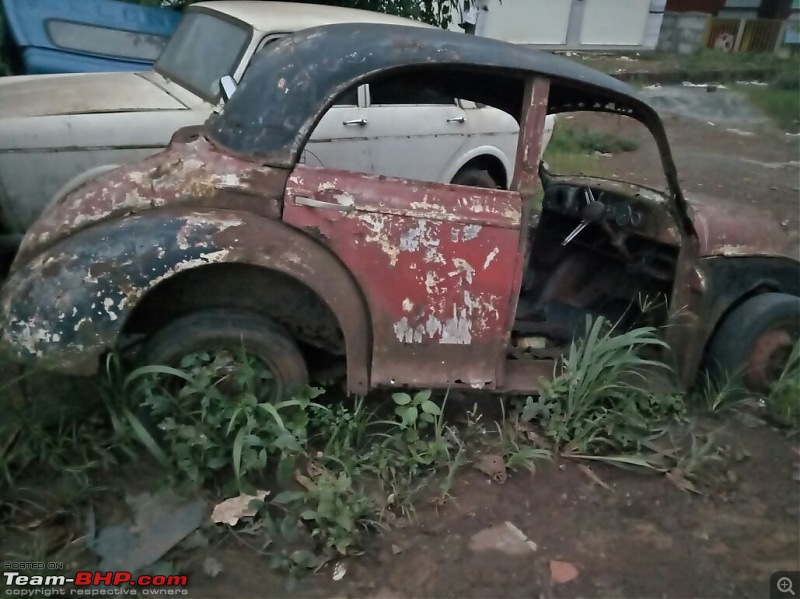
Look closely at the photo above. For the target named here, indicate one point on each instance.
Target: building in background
(583, 25)
(731, 26)
(739, 9)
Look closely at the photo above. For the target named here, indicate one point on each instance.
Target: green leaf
(238, 443)
(401, 399)
(345, 521)
(411, 414)
(429, 418)
(422, 396)
(287, 497)
(285, 469)
(304, 558)
(270, 409)
(147, 440)
(288, 529)
(430, 408)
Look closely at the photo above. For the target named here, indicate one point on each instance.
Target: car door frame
(372, 223)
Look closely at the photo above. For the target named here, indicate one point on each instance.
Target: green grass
(701, 61)
(707, 59)
(599, 401)
(716, 396)
(570, 139)
(781, 105)
(783, 401)
(574, 150)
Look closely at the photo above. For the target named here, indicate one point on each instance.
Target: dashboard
(570, 200)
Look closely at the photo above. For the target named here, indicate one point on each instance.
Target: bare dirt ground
(642, 537)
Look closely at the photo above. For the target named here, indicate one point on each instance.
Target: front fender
(66, 307)
(731, 279)
(726, 282)
(84, 177)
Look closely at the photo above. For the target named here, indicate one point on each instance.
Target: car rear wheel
(474, 177)
(226, 345)
(756, 339)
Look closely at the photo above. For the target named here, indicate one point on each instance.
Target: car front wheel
(756, 339)
(228, 346)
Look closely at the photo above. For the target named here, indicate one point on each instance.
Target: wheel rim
(768, 357)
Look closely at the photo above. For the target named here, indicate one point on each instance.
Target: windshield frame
(203, 94)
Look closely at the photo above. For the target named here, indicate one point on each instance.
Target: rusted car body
(410, 283)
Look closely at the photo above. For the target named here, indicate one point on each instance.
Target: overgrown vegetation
(338, 470)
(783, 401)
(781, 104)
(599, 402)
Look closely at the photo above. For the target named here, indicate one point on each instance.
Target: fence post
(739, 35)
(707, 41)
(781, 34)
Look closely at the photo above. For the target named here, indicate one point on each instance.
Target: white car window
(106, 41)
(396, 93)
(190, 60)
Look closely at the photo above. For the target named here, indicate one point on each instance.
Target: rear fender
(66, 307)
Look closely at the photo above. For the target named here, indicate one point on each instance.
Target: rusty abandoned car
(225, 239)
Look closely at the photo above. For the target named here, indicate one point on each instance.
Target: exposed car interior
(594, 251)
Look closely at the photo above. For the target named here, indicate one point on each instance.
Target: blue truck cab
(80, 36)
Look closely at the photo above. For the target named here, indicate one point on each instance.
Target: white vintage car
(59, 131)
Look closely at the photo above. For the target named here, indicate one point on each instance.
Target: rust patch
(64, 308)
(731, 231)
(435, 264)
(191, 174)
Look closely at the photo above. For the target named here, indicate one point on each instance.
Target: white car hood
(81, 93)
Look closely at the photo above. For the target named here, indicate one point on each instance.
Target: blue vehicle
(80, 36)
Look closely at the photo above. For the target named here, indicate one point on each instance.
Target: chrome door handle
(360, 122)
(314, 203)
(457, 119)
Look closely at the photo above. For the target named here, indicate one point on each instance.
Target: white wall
(572, 24)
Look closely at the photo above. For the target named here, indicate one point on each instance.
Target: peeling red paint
(435, 263)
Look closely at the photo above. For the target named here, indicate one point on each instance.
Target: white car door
(413, 133)
(339, 140)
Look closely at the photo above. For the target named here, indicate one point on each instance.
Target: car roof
(294, 79)
(294, 16)
(291, 84)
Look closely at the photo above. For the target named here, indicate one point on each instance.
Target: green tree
(435, 12)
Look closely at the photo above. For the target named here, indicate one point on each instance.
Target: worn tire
(755, 339)
(474, 177)
(230, 329)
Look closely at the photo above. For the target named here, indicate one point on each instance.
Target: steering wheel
(594, 212)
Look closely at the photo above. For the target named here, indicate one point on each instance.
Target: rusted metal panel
(64, 308)
(526, 182)
(435, 263)
(740, 230)
(535, 102)
(190, 172)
